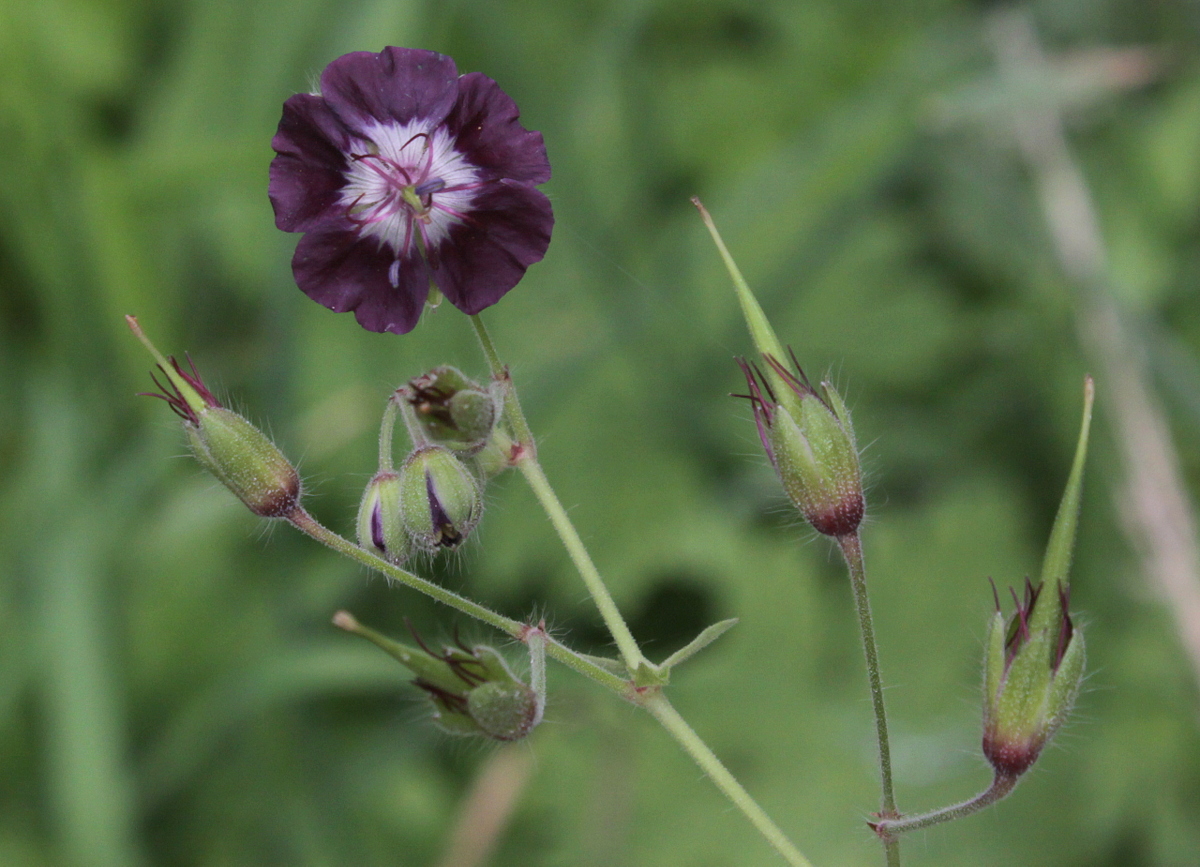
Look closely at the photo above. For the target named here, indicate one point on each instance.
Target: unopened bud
(808, 438)
(246, 462)
(439, 497)
(1035, 660)
(380, 523)
(241, 456)
(495, 457)
(450, 410)
(472, 689)
(1031, 679)
(504, 710)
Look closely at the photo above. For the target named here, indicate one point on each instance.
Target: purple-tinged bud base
(810, 443)
(1011, 758)
(1031, 680)
(818, 468)
(843, 519)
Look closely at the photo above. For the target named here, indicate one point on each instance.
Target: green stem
(851, 546)
(630, 652)
(512, 406)
(677, 727)
(307, 524)
(386, 430)
(654, 702)
(532, 471)
(1001, 786)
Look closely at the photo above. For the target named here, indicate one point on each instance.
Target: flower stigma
(391, 186)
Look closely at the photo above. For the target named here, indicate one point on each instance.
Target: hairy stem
(663, 711)
(532, 471)
(851, 546)
(1001, 785)
(654, 701)
(307, 524)
(512, 406)
(630, 652)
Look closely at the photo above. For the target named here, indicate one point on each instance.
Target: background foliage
(171, 691)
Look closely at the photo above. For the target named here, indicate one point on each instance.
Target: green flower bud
(245, 461)
(495, 457)
(1035, 661)
(808, 438)
(806, 432)
(241, 456)
(503, 711)
(440, 499)
(1031, 679)
(380, 523)
(450, 410)
(472, 689)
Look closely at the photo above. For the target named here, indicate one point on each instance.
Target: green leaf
(701, 641)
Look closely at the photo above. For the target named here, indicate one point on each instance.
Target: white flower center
(406, 186)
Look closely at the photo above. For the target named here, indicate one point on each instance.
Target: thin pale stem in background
(851, 547)
(488, 807)
(1158, 512)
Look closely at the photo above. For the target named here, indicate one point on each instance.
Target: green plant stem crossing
(851, 546)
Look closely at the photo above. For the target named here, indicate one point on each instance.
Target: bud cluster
(435, 499)
(472, 689)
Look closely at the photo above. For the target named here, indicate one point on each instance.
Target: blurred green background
(171, 691)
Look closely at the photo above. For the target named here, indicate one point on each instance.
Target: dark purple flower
(404, 175)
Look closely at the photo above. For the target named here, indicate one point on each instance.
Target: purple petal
(485, 121)
(508, 230)
(308, 171)
(399, 84)
(345, 272)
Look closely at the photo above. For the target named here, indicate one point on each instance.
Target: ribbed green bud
(1035, 661)
(472, 689)
(813, 449)
(235, 451)
(504, 709)
(1031, 680)
(440, 498)
(808, 438)
(380, 523)
(245, 461)
(450, 410)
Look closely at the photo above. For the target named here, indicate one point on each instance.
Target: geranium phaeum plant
(406, 177)
(409, 183)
